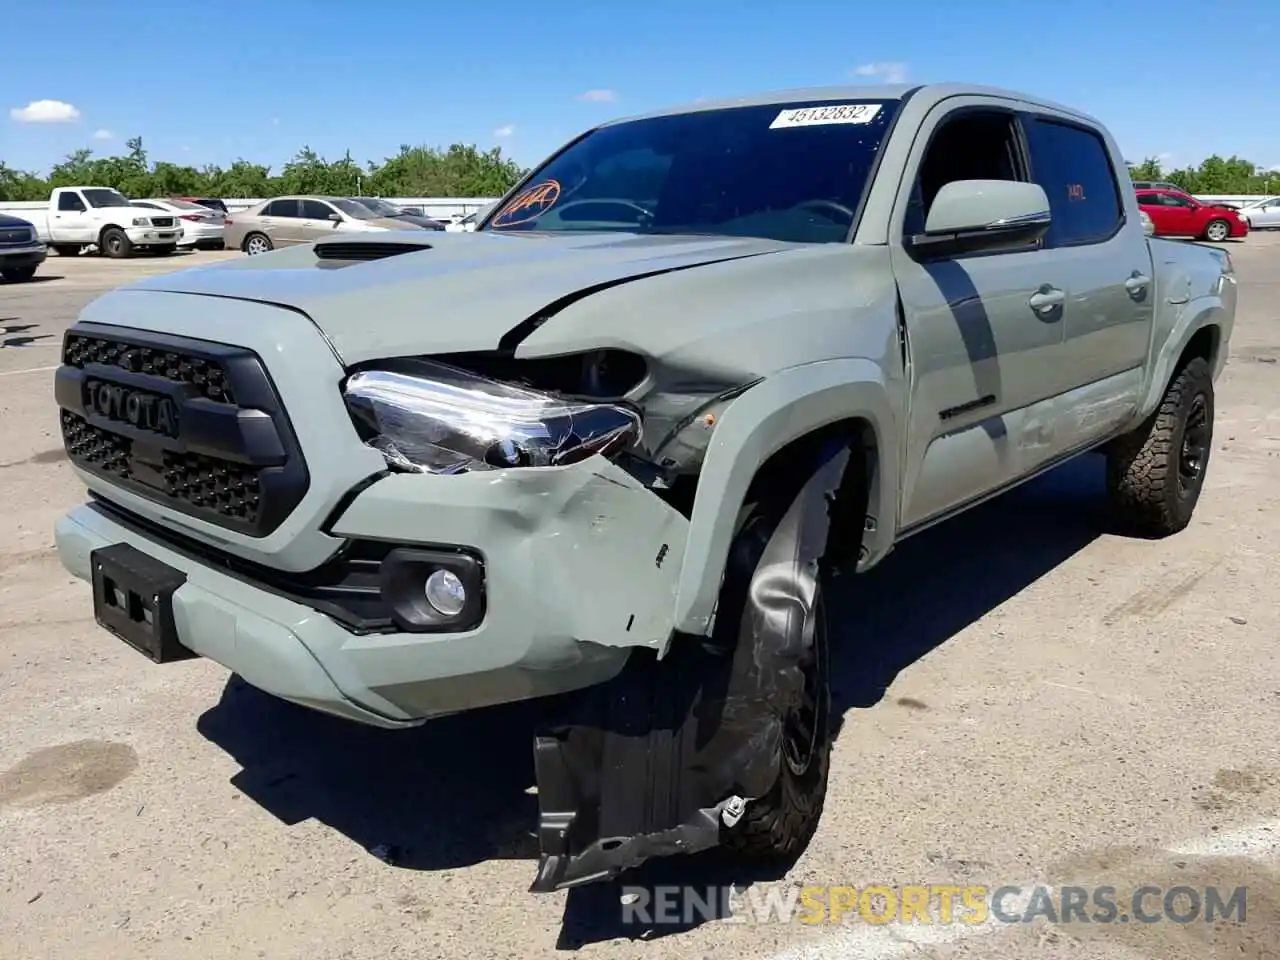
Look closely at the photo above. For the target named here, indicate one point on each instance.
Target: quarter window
(1073, 166)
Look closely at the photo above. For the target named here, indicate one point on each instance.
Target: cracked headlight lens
(428, 417)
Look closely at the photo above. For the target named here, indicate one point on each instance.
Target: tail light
(226, 221)
(192, 217)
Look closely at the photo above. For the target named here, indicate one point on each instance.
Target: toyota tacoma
(621, 440)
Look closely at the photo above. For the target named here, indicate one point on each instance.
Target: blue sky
(261, 80)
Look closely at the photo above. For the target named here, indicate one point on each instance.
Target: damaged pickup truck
(618, 442)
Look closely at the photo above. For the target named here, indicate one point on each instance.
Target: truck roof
(929, 93)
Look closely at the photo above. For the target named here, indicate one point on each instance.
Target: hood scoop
(339, 252)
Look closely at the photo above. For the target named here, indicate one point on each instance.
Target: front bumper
(153, 236)
(570, 585)
(28, 256)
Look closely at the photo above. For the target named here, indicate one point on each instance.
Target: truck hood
(452, 292)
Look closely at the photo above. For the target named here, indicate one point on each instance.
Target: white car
(1262, 214)
(202, 227)
(468, 223)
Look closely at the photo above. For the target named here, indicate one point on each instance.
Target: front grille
(162, 221)
(193, 425)
(16, 236)
(208, 484)
(207, 376)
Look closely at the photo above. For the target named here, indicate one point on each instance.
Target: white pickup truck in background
(79, 217)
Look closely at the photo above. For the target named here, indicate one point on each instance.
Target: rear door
(281, 220)
(1103, 258)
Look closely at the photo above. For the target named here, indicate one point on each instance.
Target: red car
(1178, 214)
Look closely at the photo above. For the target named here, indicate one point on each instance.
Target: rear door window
(1073, 166)
(281, 208)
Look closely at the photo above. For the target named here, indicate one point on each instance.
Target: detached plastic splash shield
(644, 765)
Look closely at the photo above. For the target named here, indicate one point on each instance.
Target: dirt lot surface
(1026, 700)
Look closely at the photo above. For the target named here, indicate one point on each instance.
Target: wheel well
(1204, 344)
(103, 232)
(785, 472)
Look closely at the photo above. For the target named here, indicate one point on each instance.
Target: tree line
(460, 170)
(1216, 176)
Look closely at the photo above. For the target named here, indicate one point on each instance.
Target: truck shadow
(455, 792)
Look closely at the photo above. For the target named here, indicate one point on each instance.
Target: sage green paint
(751, 344)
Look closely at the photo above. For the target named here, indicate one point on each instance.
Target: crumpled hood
(461, 292)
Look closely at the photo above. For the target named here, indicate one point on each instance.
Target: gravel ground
(1044, 704)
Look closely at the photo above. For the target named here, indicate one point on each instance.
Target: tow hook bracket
(733, 810)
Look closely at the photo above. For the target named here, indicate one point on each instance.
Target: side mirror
(335, 217)
(972, 216)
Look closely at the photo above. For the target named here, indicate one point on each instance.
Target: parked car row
(1175, 213)
(284, 221)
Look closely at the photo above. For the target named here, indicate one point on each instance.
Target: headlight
(141, 222)
(427, 417)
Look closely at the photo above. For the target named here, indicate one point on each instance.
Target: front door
(982, 356)
(70, 221)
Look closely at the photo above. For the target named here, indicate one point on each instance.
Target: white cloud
(506, 131)
(45, 111)
(598, 96)
(890, 71)
(103, 134)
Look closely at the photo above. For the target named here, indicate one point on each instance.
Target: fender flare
(773, 413)
(1199, 313)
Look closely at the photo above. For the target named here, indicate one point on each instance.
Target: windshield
(353, 209)
(785, 171)
(104, 197)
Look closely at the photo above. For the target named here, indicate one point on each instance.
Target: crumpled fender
(647, 764)
(762, 421)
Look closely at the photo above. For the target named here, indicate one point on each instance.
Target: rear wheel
(1217, 231)
(777, 827)
(1156, 473)
(256, 243)
(113, 243)
(18, 274)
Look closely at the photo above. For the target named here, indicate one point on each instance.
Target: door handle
(1046, 299)
(1136, 282)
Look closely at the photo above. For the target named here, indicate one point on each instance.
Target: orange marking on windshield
(534, 200)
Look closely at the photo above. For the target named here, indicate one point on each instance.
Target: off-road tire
(18, 274)
(1217, 226)
(115, 244)
(245, 243)
(67, 249)
(776, 828)
(1148, 496)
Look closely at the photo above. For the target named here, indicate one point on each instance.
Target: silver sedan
(1262, 214)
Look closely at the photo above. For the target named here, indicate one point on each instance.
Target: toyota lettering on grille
(138, 408)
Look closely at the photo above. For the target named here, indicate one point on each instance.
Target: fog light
(445, 592)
